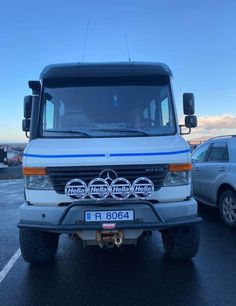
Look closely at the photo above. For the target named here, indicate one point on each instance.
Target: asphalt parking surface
(14, 172)
(134, 276)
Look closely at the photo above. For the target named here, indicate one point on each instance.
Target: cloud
(210, 126)
(217, 122)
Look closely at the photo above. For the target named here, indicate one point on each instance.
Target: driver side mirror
(27, 106)
(27, 114)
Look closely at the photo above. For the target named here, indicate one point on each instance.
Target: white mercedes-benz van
(106, 160)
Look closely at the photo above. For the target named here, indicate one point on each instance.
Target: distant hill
(198, 139)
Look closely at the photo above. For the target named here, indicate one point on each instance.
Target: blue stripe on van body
(105, 155)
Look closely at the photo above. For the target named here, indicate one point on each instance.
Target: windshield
(74, 109)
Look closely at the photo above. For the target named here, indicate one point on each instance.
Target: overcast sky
(196, 39)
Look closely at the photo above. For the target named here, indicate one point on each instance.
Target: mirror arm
(26, 134)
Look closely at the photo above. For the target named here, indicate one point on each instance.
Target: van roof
(76, 70)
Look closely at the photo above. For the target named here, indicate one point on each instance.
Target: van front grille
(59, 176)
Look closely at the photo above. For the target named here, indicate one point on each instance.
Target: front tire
(227, 207)
(181, 242)
(37, 246)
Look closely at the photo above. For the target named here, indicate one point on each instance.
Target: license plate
(109, 215)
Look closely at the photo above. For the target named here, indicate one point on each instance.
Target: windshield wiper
(70, 132)
(123, 131)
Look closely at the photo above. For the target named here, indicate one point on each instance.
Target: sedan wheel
(227, 206)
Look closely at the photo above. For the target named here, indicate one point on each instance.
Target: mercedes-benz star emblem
(108, 175)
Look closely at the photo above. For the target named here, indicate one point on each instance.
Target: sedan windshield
(110, 109)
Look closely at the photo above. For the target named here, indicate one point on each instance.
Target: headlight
(177, 178)
(38, 182)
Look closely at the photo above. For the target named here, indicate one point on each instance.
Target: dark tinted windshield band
(106, 81)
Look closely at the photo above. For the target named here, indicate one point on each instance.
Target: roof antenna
(85, 42)
(127, 48)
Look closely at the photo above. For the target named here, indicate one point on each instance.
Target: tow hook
(118, 239)
(109, 238)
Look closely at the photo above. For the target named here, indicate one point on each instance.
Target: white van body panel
(106, 151)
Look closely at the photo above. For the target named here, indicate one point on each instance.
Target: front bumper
(70, 219)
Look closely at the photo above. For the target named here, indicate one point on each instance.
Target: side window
(48, 122)
(218, 153)
(199, 155)
(159, 114)
(225, 158)
(165, 112)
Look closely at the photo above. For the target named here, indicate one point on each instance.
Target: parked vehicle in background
(214, 176)
(14, 158)
(3, 157)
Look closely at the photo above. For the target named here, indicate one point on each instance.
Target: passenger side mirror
(188, 104)
(27, 106)
(191, 121)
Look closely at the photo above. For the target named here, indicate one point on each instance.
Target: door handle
(196, 169)
(221, 169)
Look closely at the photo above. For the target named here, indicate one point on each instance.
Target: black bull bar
(71, 228)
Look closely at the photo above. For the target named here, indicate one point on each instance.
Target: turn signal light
(34, 171)
(180, 167)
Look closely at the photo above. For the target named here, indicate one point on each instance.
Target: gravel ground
(11, 173)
